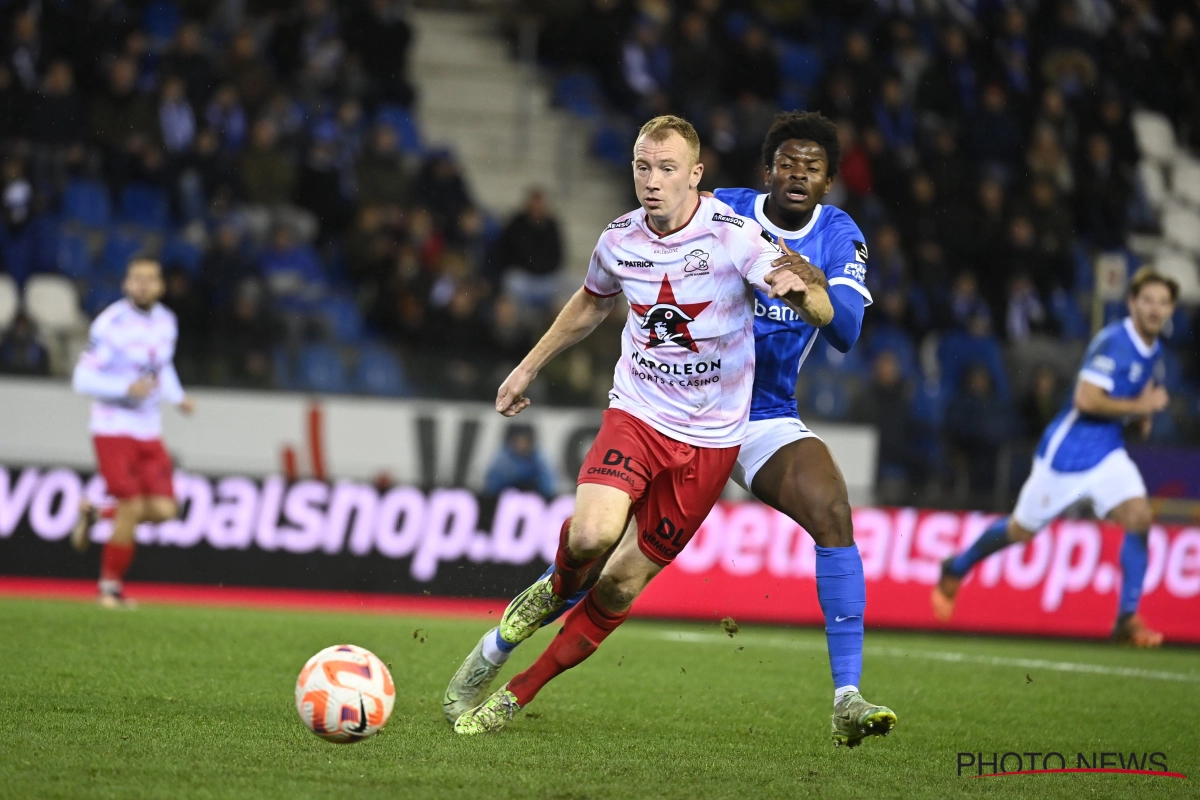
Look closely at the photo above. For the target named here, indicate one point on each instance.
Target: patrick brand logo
(1012, 764)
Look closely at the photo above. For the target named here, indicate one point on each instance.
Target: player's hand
(511, 399)
(1153, 398)
(784, 282)
(800, 265)
(1145, 426)
(141, 388)
(187, 405)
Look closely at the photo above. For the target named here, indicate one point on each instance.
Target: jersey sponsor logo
(780, 312)
(1103, 364)
(635, 264)
(718, 217)
(857, 271)
(665, 251)
(667, 320)
(696, 263)
(621, 223)
(860, 251)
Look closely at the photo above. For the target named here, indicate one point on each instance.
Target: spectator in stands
(227, 117)
(896, 120)
(226, 265)
(753, 67)
(646, 66)
(977, 422)
(319, 188)
(176, 119)
(442, 188)
(884, 405)
(381, 174)
(1103, 196)
(382, 36)
(244, 338)
(121, 113)
(293, 273)
(530, 252)
(1025, 315)
(57, 119)
(995, 131)
(697, 67)
(188, 60)
(520, 465)
(268, 173)
(192, 316)
(20, 351)
(1041, 404)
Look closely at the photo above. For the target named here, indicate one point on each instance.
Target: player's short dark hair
(812, 126)
(1148, 275)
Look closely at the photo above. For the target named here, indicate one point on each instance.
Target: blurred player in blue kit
(782, 462)
(1082, 455)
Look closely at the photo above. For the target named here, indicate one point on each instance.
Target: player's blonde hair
(659, 128)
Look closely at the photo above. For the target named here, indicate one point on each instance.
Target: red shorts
(673, 485)
(135, 467)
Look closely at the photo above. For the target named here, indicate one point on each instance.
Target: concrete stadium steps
(472, 97)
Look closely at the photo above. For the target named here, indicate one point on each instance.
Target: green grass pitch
(173, 702)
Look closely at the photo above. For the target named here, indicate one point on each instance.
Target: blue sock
(993, 539)
(1134, 556)
(842, 591)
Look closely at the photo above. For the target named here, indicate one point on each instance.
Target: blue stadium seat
(87, 203)
(579, 93)
(611, 143)
(320, 369)
(800, 64)
(958, 351)
(900, 343)
(179, 252)
(379, 372)
(74, 260)
(402, 122)
(825, 355)
(102, 293)
(344, 318)
(145, 207)
(119, 248)
(161, 20)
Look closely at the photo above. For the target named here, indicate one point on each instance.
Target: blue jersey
(834, 245)
(1119, 362)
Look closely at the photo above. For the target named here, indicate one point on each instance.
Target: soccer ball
(344, 693)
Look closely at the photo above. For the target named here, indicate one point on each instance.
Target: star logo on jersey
(667, 320)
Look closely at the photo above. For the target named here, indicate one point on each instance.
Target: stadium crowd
(312, 241)
(987, 153)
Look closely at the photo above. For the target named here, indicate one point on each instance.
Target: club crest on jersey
(667, 320)
(1135, 372)
(695, 262)
(718, 217)
(860, 251)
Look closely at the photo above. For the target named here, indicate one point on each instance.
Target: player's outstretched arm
(813, 303)
(1095, 401)
(579, 317)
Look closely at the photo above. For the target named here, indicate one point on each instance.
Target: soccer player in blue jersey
(1082, 454)
(782, 462)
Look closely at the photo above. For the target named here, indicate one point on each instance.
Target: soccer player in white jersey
(677, 413)
(1082, 454)
(128, 371)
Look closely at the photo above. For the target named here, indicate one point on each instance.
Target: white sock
(492, 651)
(110, 587)
(842, 691)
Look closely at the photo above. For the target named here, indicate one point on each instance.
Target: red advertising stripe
(754, 564)
(248, 597)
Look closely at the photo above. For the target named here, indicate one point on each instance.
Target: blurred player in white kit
(127, 369)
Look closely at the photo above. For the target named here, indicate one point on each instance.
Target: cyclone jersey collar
(760, 216)
(1145, 350)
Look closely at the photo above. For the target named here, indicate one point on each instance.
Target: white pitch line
(951, 657)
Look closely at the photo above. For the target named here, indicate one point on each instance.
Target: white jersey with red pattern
(687, 350)
(125, 344)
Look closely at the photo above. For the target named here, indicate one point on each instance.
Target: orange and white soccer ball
(345, 693)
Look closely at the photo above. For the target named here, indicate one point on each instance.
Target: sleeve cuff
(594, 293)
(1096, 379)
(855, 285)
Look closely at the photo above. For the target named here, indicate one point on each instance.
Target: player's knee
(1136, 517)
(832, 524)
(160, 509)
(591, 537)
(132, 506)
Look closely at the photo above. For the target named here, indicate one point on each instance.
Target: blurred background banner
(746, 561)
